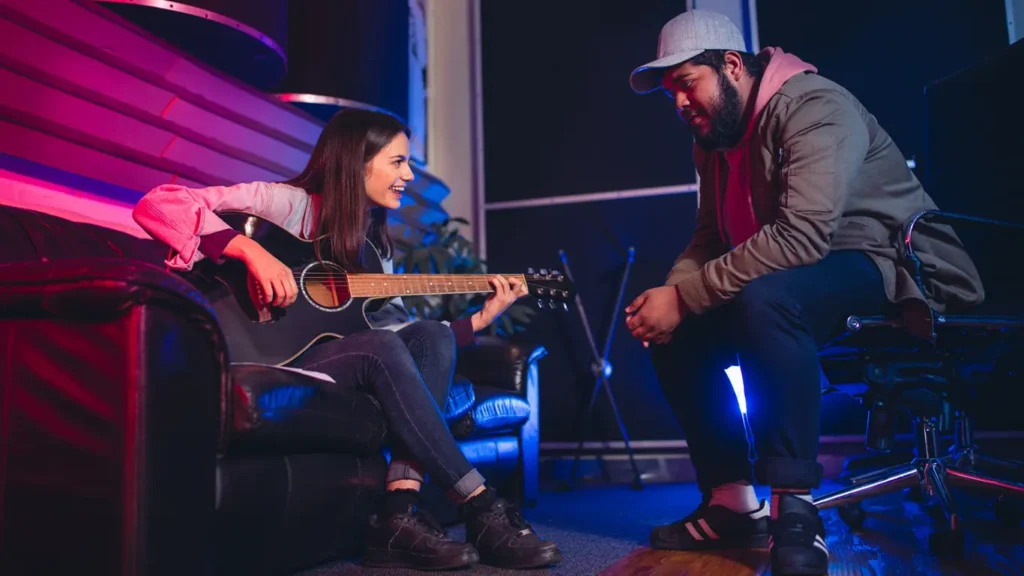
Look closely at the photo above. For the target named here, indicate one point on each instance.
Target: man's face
(708, 102)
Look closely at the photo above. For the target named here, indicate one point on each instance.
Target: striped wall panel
(88, 93)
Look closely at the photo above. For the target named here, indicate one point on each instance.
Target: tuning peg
(540, 291)
(529, 271)
(551, 304)
(565, 306)
(540, 303)
(543, 271)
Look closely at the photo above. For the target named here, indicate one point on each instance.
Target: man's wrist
(683, 308)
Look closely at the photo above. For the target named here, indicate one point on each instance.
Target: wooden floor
(893, 541)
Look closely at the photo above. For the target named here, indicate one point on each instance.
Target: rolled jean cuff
(467, 485)
(791, 473)
(403, 471)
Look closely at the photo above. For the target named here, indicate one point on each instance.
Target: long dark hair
(336, 171)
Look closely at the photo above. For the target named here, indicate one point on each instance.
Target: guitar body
(332, 303)
(272, 335)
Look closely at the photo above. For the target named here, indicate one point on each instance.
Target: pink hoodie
(737, 222)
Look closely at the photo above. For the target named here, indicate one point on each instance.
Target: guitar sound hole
(326, 286)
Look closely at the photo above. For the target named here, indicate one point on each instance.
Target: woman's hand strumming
(275, 280)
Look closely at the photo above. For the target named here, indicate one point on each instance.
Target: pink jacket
(180, 216)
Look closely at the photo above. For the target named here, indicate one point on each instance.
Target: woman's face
(388, 172)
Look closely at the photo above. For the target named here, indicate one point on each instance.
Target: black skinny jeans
(773, 327)
(409, 372)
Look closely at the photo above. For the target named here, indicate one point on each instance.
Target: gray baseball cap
(684, 37)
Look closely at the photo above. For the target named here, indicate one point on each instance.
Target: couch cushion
(281, 410)
(502, 414)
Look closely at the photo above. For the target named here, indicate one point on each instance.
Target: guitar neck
(395, 285)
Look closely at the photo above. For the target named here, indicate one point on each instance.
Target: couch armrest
(85, 289)
(88, 287)
(497, 363)
(114, 379)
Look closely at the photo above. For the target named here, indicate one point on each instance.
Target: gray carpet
(589, 555)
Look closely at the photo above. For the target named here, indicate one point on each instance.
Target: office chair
(929, 365)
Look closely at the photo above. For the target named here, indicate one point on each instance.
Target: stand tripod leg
(602, 369)
(637, 481)
(581, 431)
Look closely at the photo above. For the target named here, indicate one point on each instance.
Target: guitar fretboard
(394, 285)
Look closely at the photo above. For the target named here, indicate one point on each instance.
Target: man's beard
(724, 117)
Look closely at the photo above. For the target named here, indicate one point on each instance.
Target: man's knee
(764, 298)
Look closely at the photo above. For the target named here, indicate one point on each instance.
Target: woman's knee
(383, 344)
(434, 331)
(436, 339)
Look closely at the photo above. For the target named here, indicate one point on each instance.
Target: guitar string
(448, 279)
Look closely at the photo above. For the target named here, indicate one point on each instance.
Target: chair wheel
(947, 543)
(1008, 513)
(853, 515)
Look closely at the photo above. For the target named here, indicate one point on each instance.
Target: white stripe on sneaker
(693, 532)
(707, 529)
(819, 543)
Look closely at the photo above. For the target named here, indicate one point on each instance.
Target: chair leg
(877, 474)
(904, 477)
(997, 465)
(935, 478)
(975, 481)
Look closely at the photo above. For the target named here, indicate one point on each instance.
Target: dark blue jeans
(772, 330)
(409, 372)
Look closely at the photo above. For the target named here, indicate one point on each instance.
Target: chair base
(933, 475)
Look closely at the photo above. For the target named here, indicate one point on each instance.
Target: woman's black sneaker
(414, 539)
(797, 539)
(503, 537)
(714, 528)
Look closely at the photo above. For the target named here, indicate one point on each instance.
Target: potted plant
(445, 251)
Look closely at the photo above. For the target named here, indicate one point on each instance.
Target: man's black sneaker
(414, 539)
(797, 539)
(504, 538)
(714, 528)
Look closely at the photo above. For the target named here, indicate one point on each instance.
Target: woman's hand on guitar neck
(276, 281)
(506, 291)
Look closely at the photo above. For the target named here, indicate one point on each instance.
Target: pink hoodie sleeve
(180, 216)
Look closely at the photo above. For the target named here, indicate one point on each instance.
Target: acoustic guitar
(332, 302)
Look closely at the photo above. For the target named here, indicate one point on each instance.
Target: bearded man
(802, 196)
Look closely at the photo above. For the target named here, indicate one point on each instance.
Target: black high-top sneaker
(797, 539)
(414, 539)
(503, 537)
(714, 528)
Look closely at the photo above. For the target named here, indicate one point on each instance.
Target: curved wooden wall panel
(89, 93)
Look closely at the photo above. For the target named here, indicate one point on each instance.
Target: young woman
(358, 170)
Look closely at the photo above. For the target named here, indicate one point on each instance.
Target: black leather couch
(129, 443)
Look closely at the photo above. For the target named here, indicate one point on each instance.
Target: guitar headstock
(550, 287)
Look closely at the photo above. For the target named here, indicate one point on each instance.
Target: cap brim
(647, 78)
